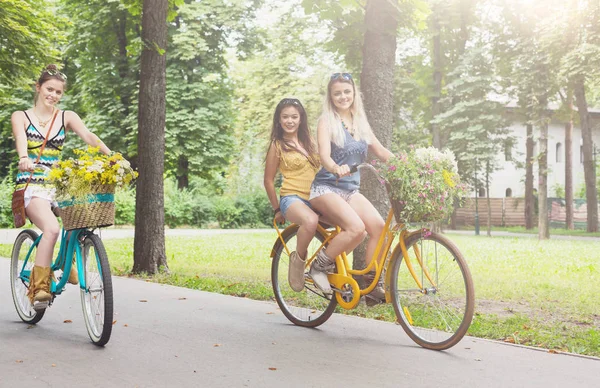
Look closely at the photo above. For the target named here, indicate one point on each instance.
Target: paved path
(181, 337)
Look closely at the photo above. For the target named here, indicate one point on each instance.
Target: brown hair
(304, 136)
(50, 72)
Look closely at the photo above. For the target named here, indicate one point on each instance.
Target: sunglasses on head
(290, 101)
(56, 72)
(346, 76)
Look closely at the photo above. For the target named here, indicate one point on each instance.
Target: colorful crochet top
(298, 173)
(50, 155)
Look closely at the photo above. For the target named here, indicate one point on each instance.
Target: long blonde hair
(330, 116)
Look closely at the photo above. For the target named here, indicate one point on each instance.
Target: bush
(125, 207)
(6, 189)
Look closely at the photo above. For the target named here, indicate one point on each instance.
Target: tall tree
(379, 56)
(149, 242)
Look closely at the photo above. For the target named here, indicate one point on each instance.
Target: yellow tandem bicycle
(426, 279)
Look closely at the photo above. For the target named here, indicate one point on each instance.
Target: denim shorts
(287, 200)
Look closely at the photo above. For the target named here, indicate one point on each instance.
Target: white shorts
(40, 192)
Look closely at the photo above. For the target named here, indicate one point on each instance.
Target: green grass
(538, 293)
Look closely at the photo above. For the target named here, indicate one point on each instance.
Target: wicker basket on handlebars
(95, 210)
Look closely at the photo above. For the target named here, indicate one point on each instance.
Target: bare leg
(41, 215)
(373, 222)
(307, 220)
(340, 213)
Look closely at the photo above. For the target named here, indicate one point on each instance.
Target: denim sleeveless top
(353, 153)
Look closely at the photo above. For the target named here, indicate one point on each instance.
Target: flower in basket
(76, 178)
(423, 184)
(85, 187)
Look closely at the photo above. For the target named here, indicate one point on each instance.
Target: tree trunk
(569, 163)
(183, 172)
(488, 201)
(544, 231)
(379, 55)
(529, 159)
(437, 80)
(589, 166)
(149, 242)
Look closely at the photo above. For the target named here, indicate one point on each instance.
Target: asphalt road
(166, 336)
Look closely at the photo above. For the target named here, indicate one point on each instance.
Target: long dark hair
(304, 136)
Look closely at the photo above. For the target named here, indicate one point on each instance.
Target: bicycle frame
(69, 244)
(343, 277)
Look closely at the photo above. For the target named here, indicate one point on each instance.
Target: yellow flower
(448, 178)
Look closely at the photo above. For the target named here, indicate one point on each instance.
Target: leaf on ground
(126, 325)
(510, 340)
(143, 300)
(30, 326)
(216, 345)
(271, 312)
(67, 321)
(114, 322)
(182, 298)
(19, 361)
(53, 365)
(553, 351)
(271, 368)
(478, 359)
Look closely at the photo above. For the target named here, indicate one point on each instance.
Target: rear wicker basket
(94, 211)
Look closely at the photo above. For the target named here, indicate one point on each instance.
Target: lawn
(537, 293)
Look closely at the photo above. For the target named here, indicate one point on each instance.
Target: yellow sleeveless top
(298, 173)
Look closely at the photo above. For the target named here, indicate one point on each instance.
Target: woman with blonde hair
(344, 136)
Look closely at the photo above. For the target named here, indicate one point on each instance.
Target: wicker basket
(95, 211)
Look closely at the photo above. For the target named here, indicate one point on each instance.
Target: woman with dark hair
(292, 151)
(39, 134)
(344, 136)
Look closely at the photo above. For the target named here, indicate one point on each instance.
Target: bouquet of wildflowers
(423, 184)
(76, 178)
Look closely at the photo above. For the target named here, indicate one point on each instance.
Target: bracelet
(278, 210)
(23, 157)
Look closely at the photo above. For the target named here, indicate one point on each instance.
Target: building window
(508, 151)
(508, 192)
(559, 153)
(482, 192)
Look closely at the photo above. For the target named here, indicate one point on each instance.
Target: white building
(509, 180)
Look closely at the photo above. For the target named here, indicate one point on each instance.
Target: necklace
(351, 132)
(41, 122)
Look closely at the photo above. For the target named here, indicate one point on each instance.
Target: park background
(433, 72)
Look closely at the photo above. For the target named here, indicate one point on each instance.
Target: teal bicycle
(85, 249)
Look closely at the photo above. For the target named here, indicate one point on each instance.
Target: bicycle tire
(18, 285)
(309, 307)
(436, 316)
(97, 297)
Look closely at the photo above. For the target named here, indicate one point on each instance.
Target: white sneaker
(318, 272)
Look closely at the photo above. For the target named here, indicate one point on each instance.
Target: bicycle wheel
(97, 298)
(437, 315)
(19, 284)
(309, 307)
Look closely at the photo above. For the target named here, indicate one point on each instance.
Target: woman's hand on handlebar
(25, 164)
(341, 171)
